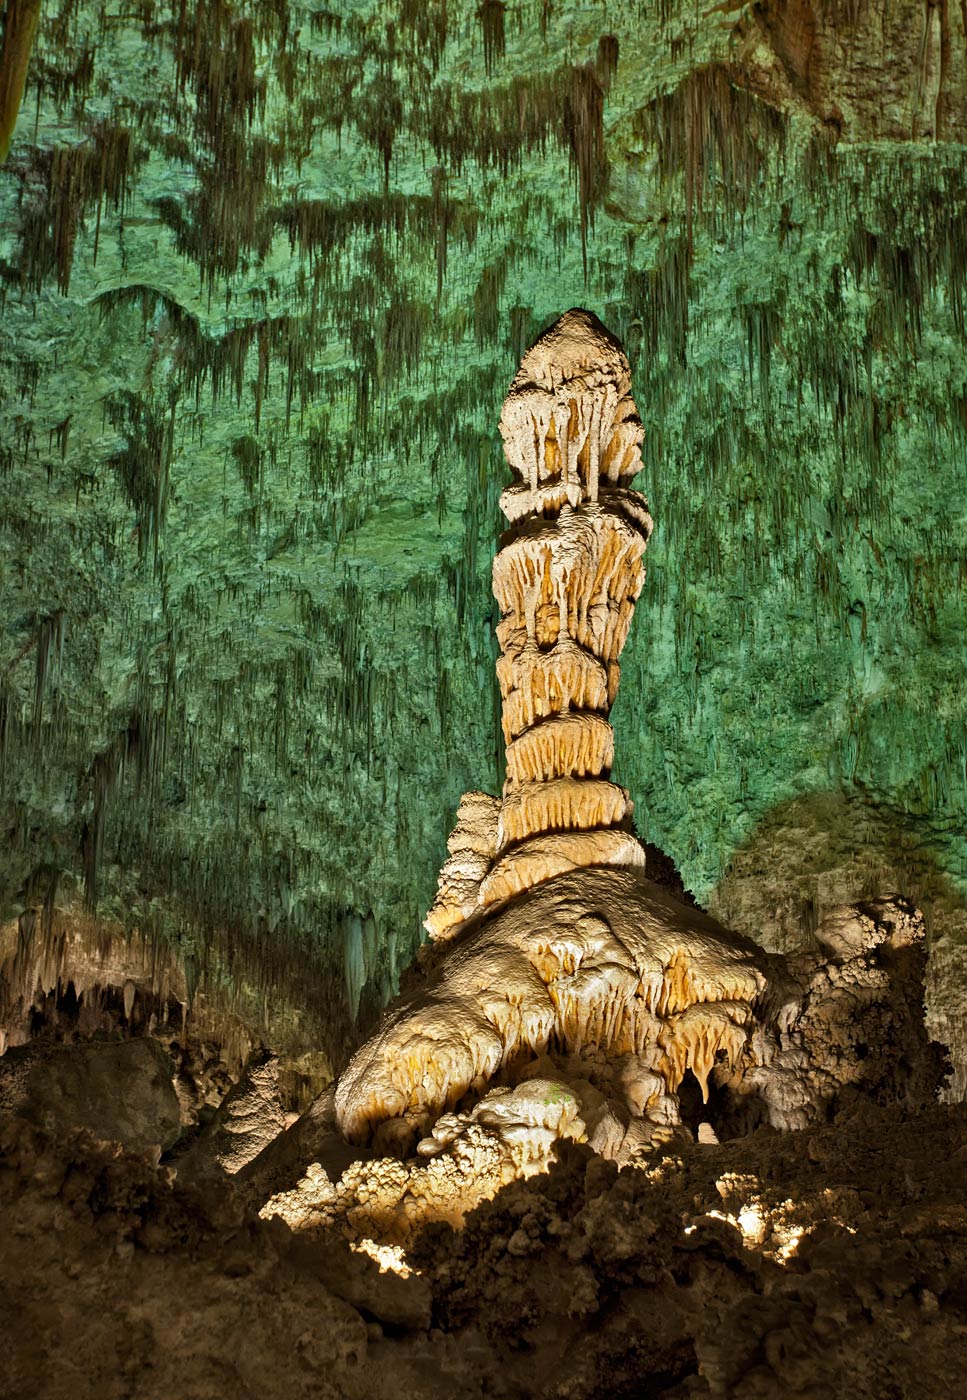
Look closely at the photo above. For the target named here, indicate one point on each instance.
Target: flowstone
(567, 995)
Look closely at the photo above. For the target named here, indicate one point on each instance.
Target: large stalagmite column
(561, 945)
(562, 975)
(566, 579)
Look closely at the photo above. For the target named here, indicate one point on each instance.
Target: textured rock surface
(67, 974)
(823, 1263)
(248, 1118)
(135, 1290)
(266, 270)
(656, 1020)
(566, 578)
(120, 1091)
(601, 960)
(599, 965)
(816, 857)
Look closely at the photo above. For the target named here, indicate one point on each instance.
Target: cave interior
(390, 1004)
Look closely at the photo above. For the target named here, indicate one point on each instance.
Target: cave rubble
(772, 1265)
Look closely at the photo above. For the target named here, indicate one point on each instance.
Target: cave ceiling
(266, 271)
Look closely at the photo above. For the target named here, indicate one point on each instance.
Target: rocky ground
(821, 1263)
(164, 1232)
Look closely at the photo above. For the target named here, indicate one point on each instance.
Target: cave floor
(820, 1263)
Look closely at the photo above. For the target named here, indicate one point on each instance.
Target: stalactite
(497, 127)
(49, 652)
(440, 206)
(584, 125)
(143, 464)
(217, 61)
(491, 17)
(714, 134)
(401, 332)
(323, 228)
(58, 187)
(63, 72)
(378, 115)
(248, 458)
(106, 771)
(486, 302)
(19, 25)
(326, 22)
(425, 24)
(521, 330)
(762, 328)
(606, 61)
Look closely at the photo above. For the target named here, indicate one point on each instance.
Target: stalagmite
(557, 944)
(572, 996)
(472, 845)
(567, 996)
(566, 579)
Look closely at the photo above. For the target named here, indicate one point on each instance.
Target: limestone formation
(556, 943)
(560, 961)
(248, 1119)
(595, 963)
(472, 845)
(566, 579)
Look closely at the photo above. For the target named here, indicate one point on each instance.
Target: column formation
(566, 579)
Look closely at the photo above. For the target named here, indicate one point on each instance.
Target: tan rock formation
(563, 963)
(651, 981)
(472, 846)
(553, 955)
(566, 578)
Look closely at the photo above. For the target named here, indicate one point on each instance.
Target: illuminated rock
(563, 964)
(650, 979)
(248, 1119)
(566, 579)
(464, 1160)
(557, 944)
(472, 846)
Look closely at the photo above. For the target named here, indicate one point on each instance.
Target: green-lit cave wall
(266, 271)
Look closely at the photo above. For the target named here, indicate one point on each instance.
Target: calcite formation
(560, 973)
(597, 964)
(556, 945)
(566, 579)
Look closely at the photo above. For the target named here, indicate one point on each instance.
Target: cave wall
(266, 271)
